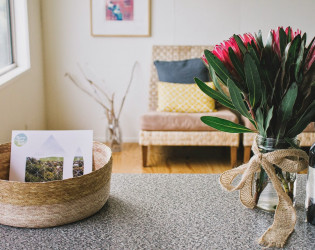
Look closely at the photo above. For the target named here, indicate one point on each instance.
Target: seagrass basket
(54, 203)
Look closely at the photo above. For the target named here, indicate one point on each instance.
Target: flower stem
(250, 108)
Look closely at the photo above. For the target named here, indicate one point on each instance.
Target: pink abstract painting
(119, 10)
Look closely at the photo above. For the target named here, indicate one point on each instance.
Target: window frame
(7, 68)
(19, 41)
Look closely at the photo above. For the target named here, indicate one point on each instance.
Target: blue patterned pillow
(182, 71)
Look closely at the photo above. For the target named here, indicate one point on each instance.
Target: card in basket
(48, 155)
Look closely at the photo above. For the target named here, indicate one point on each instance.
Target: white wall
(22, 104)
(67, 41)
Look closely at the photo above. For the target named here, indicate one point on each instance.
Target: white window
(14, 39)
(6, 47)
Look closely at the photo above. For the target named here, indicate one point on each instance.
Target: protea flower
(271, 84)
(247, 38)
(310, 58)
(265, 81)
(289, 36)
(221, 51)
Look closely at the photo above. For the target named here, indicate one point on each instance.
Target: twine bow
(285, 215)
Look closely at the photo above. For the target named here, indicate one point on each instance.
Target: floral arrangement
(271, 84)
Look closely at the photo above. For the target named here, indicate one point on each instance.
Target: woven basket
(54, 203)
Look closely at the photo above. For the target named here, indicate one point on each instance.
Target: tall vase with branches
(107, 102)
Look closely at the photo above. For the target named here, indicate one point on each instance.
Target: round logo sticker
(20, 140)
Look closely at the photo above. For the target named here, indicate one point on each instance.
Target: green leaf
(268, 45)
(268, 119)
(266, 76)
(237, 99)
(309, 47)
(240, 44)
(267, 52)
(225, 125)
(283, 40)
(253, 53)
(286, 107)
(218, 66)
(252, 80)
(304, 37)
(259, 39)
(307, 117)
(260, 122)
(216, 83)
(289, 35)
(214, 94)
(236, 63)
(299, 60)
(292, 51)
(291, 143)
(263, 95)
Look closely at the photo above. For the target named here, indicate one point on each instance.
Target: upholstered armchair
(181, 129)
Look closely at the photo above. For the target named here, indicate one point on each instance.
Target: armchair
(181, 129)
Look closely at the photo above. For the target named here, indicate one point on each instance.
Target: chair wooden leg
(247, 150)
(233, 156)
(144, 155)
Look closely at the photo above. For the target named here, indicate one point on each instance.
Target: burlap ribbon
(285, 215)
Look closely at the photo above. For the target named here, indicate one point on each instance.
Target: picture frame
(120, 18)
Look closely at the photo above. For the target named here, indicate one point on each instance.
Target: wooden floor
(166, 159)
(169, 159)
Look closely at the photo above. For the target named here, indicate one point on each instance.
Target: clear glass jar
(310, 188)
(265, 195)
(113, 135)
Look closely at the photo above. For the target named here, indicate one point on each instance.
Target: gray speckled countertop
(164, 211)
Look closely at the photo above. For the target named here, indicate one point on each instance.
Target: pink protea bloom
(310, 58)
(293, 34)
(247, 38)
(221, 51)
(276, 42)
(276, 38)
(205, 59)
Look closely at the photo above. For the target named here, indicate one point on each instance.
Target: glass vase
(113, 135)
(265, 194)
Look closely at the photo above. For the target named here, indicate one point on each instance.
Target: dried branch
(128, 87)
(86, 91)
(98, 94)
(94, 85)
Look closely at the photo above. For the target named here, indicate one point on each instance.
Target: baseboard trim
(125, 139)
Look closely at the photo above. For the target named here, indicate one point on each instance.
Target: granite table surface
(165, 211)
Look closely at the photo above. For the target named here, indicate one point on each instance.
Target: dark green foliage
(238, 100)
(274, 89)
(224, 125)
(215, 82)
(253, 81)
(237, 64)
(218, 67)
(214, 94)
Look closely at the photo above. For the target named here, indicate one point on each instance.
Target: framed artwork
(120, 17)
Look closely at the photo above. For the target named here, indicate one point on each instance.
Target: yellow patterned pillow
(179, 97)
